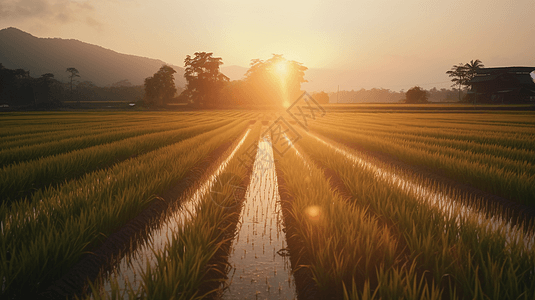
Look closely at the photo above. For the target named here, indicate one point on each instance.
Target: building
(503, 85)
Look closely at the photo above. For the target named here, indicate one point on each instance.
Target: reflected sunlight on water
(129, 269)
(259, 256)
(450, 207)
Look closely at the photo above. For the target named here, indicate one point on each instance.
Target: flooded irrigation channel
(127, 275)
(260, 265)
(259, 261)
(450, 207)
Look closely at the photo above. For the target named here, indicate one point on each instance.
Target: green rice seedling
(82, 140)
(344, 243)
(180, 269)
(456, 246)
(497, 155)
(38, 129)
(20, 180)
(519, 136)
(45, 236)
(517, 186)
(492, 145)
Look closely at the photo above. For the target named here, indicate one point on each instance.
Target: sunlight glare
(286, 104)
(282, 68)
(313, 212)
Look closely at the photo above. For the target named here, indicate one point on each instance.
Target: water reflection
(259, 255)
(127, 273)
(451, 208)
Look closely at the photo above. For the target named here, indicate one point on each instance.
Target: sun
(282, 69)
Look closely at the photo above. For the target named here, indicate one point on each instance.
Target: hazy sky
(366, 43)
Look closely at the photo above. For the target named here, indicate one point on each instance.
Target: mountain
(21, 50)
(234, 72)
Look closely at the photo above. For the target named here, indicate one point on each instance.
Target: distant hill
(21, 50)
(234, 72)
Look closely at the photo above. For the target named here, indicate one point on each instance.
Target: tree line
(273, 82)
(18, 88)
(208, 87)
(382, 95)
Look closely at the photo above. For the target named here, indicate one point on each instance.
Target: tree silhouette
(471, 69)
(45, 87)
(204, 79)
(416, 95)
(463, 73)
(458, 72)
(266, 84)
(321, 97)
(74, 73)
(160, 88)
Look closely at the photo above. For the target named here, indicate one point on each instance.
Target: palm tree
(472, 67)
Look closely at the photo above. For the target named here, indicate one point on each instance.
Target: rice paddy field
(237, 204)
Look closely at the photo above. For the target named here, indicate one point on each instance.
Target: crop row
(181, 269)
(493, 168)
(346, 248)
(20, 126)
(81, 141)
(92, 129)
(43, 237)
(387, 242)
(485, 143)
(26, 125)
(515, 137)
(22, 179)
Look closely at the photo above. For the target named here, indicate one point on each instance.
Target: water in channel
(129, 269)
(260, 265)
(451, 208)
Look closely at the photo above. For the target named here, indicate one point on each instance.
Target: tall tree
(204, 81)
(160, 88)
(416, 95)
(471, 69)
(45, 87)
(73, 74)
(458, 72)
(275, 81)
(463, 73)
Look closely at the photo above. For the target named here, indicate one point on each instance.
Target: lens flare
(313, 212)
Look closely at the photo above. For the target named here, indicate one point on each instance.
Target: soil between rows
(132, 234)
(516, 212)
